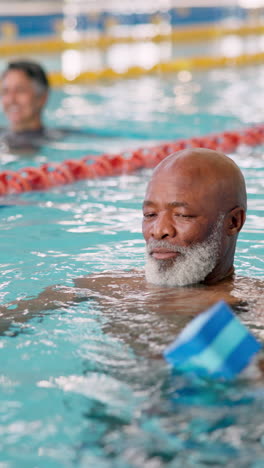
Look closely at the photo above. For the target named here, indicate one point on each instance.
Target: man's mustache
(156, 244)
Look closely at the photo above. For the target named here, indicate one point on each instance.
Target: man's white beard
(193, 266)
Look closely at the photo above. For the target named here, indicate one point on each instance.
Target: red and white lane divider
(89, 167)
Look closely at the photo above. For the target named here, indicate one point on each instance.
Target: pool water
(74, 390)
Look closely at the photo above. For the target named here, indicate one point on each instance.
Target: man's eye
(181, 215)
(149, 215)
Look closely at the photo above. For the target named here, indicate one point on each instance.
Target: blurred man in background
(24, 93)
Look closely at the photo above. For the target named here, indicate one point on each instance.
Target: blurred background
(112, 36)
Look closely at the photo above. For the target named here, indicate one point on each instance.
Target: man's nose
(163, 227)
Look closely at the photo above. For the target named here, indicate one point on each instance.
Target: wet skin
(145, 316)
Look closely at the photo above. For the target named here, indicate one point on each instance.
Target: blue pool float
(213, 344)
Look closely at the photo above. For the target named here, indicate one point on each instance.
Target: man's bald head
(209, 169)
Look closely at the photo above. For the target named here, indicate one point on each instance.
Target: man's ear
(235, 220)
(42, 100)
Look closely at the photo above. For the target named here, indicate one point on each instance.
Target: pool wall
(23, 20)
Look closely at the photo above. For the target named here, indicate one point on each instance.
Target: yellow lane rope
(56, 44)
(203, 62)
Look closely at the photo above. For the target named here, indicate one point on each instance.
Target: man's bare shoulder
(112, 282)
(248, 290)
(248, 285)
(131, 285)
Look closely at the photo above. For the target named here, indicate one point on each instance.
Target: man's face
(182, 227)
(21, 101)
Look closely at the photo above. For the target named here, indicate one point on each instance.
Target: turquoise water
(79, 386)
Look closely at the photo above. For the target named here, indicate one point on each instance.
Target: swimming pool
(79, 387)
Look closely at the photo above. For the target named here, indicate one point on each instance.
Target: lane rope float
(53, 174)
(170, 66)
(187, 34)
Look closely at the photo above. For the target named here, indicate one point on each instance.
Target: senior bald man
(194, 209)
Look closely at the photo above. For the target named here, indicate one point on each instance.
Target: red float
(71, 170)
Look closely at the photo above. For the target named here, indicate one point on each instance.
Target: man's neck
(217, 276)
(32, 127)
